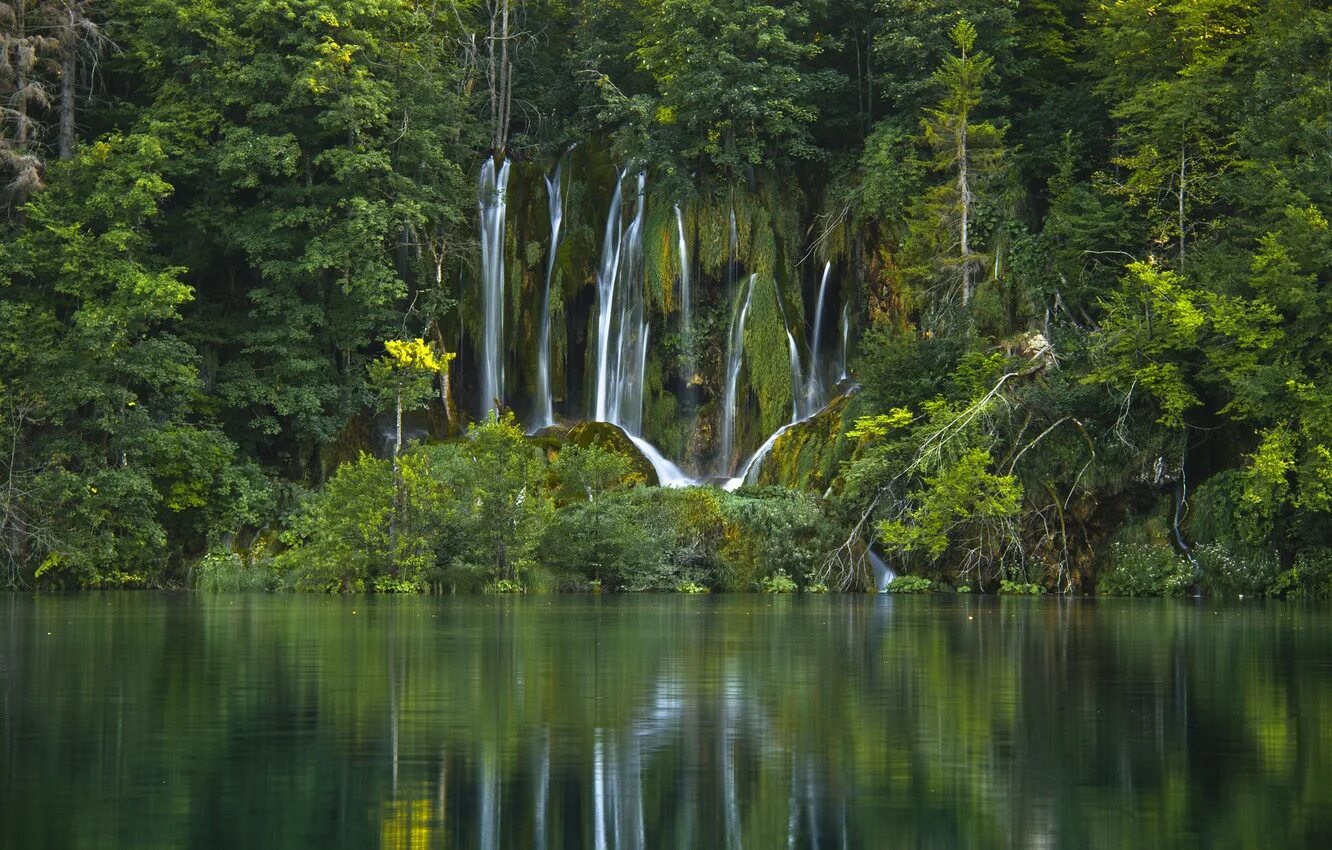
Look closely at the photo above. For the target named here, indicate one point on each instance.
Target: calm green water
(143, 721)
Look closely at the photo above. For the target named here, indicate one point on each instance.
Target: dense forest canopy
(1036, 292)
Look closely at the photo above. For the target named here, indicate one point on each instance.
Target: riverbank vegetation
(1039, 288)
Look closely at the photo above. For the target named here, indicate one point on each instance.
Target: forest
(1015, 296)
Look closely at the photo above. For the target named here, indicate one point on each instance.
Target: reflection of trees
(663, 721)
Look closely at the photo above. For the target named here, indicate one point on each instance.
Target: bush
(817, 587)
(1309, 578)
(1017, 588)
(690, 587)
(911, 584)
(1237, 571)
(778, 582)
(505, 585)
(221, 571)
(1142, 569)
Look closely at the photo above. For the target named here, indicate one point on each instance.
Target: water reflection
(740, 722)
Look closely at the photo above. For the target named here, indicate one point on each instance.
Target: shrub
(1236, 571)
(1309, 578)
(222, 571)
(505, 585)
(1139, 569)
(778, 582)
(911, 584)
(817, 587)
(1017, 588)
(690, 587)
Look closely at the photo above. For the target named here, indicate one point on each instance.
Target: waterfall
(797, 380)
(545, 410)
(610, 263)
(814, 386)
(686, 298)
(846, 334)
(622, 329)
(492, 204)
(735, 349)
(668, 473)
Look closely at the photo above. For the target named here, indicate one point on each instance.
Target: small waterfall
(668, 474)
(686, 298)
(545, 409)
(883, 574)
(735, 349)
(749, 472)
(492, 205)
(814, 387)
(797, 379)
(622, 329)
(846, 334)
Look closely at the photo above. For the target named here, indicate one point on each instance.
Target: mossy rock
(810, 454)
(613, 438)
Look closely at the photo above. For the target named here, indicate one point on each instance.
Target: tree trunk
(69, 69)
(964, 190)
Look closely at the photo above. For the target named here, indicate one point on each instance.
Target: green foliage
(1017, 588)
(1228, 571)
(223, 571)
(911, 584)
(779, 582)
(1137, 569)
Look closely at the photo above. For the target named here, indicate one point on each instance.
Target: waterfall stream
(493, 201)
(735, 349)
(814, 386)
(622, 328)
(545, 409)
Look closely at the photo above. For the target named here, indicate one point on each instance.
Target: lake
(141, 720)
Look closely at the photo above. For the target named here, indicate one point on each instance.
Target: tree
(969, 152)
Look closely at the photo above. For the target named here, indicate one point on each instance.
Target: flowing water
(622, 328)
(814, 391)
(545, 408)
(493, 205)
(140, 720)
(735, 350)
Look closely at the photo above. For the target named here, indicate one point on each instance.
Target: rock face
(612, 438)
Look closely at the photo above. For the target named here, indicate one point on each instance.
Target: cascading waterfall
(622, 329)
(610, 264)
(494, 185)
(846, 334)
(735, 349)
(545, 408)
(686, 295)
(814, 386)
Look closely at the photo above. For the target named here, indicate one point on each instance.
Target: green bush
(1017, 588)
(778, 582)
(221, 571)
(1309, 578)
(1143, 569)
(911, 584)
(690, 587)
(505, 585)
(1236, 571)
(817, 587)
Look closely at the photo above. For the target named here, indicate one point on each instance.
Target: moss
(612, 438)
(810, 455)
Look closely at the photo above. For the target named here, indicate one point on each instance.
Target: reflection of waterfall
(735, 348)
(545, 412)
(492, 203)
(622, 329)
